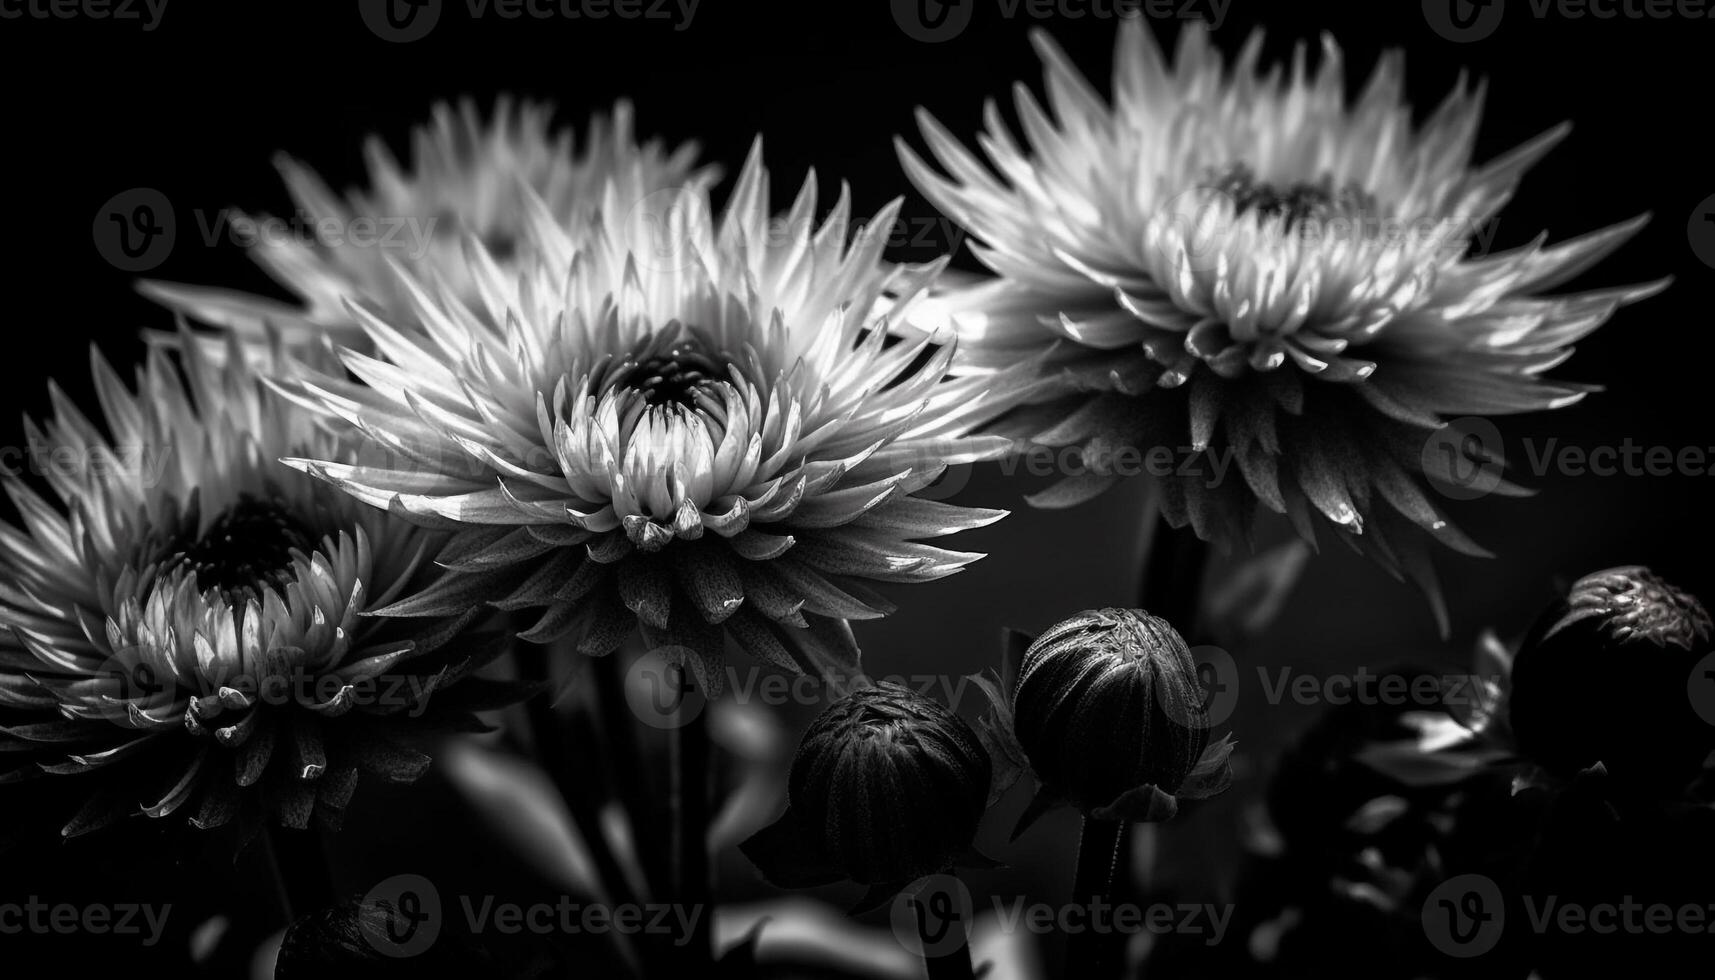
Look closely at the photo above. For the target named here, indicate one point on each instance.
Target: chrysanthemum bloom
(1106, 711)
(464, 179)
(184, 617)
(696, 426)
(1246, 266)
(887, 786)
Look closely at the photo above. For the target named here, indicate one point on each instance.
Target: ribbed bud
(887, 786)
(1603, 677)
(1108, 702)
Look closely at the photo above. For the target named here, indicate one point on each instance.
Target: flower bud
(1108, 703)
(887, 786)
(1603, 677)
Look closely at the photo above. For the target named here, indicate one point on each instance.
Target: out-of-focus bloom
(464, 179)
(887, 786)
(1245, 266)
(1605, 679)
(184, 617)
(1107, 712)
(694, 426)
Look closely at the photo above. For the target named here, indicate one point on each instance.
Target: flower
(702, 430)
(1605, 688)
(1604, 678)
(1107, 711)
(185, 618)
(1244, 265)
(464, 179)
(887, 786)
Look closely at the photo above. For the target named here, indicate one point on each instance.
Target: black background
(197, 107)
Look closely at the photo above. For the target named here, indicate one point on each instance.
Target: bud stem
(1090, 953)
(954, 965)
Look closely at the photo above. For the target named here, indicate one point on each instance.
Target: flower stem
(1090, 953)
(951, 964)
(689, 751)
(301, 872)
(625, 770)
(577, 782)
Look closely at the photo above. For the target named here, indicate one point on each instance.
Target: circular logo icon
(400, 21)
(127, 682)
(1197, 224)
(1217, 682)
(1464, 456)
(665, 229)
(1463, 21)
(1700, 686)
(134, 230)
(662, 690)
(401, 916)
(1701, 231)
(932, 916)
(932, 21)
(1464, 916)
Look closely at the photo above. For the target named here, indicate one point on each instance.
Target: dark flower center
(675, 377)
(1298, 203)
(247, 548)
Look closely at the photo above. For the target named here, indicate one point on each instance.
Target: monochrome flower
(185, 619)
(700, 427)
(1242, 264)
(465, 178)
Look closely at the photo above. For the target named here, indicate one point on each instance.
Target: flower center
(1298, 203)
(247, 548)
(676, 376)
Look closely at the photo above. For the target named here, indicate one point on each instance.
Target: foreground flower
(1245, 266)
(701, 429)
(1106, 710)
(887, 786)
(186, 624)
(465, 178)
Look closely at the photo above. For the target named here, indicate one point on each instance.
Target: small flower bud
(1107, 705)
(1603, 677)
(887, 786)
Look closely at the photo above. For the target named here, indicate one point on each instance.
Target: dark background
(196, 108)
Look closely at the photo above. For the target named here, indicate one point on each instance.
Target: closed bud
(1604, 677)
(887, 786)
(1108, 710)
